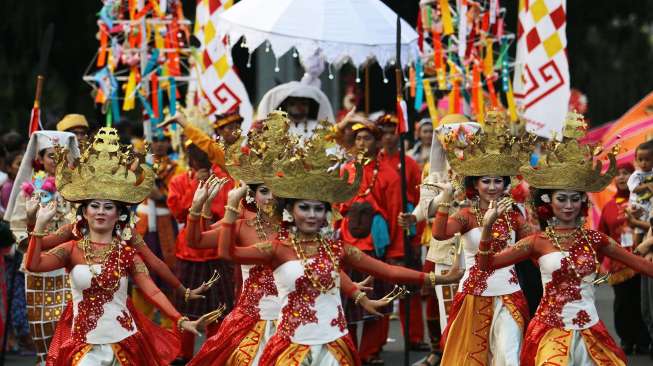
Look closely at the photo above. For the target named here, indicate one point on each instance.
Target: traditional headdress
(304, 170)
(498, 149)
(105, 170)
(568, 165)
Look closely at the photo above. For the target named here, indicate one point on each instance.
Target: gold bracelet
(208, 216)
(432, 278)
(194, 213)
(186, 295)
(38, 234)
(179, 321)
(232, 209)
(444, 204)
(359, 297)
(485, 252)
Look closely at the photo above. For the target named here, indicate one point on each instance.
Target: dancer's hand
(365, 285)
(235, 195)
(201, 194)
(31, 207)
(495, 210)
(191, 326)
(214, 188)
(45, 215)
(371, 306)
(446, 192)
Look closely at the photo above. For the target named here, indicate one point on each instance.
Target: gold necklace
(551, 233)
(89, 256)
(478, 213)
(299, 251)
(260, 225)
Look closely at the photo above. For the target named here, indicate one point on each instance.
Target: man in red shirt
(625, 282)
(396, 254)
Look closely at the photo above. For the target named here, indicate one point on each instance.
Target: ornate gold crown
(303, 169)
(569, 165)
(105, 170)
(498, 149)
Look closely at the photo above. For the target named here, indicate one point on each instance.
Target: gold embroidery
(137, 241)
(140, 267)
(353, 252)
(525, 244)
(462, 220)
(62, 231)
(265, 247)
(60, 252)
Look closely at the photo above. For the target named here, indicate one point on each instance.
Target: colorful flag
(541, 84)
(35, 119)
(220, 89)
(402, 116)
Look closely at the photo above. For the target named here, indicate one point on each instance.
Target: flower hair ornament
(41, 186)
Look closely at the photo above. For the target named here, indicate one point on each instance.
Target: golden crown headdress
(105, 170)
(568, 164)
(497, 149)
(302, 168)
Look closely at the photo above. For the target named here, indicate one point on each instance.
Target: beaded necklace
(478, 214)
(91, 258)
(301, 255)
(551, 234)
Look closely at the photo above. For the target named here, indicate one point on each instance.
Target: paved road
(393, 354)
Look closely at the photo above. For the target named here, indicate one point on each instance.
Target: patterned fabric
(542, 74)
(192, 274)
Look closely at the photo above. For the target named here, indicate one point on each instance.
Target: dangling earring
(286, 216)
(118, 232)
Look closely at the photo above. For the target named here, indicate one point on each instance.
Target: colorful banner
(541, 83)
(219, 85)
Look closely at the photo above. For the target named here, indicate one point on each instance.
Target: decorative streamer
(512, 107)
(488, 63)
(104, 37)
(430, 103)
(462, 29)
(130, 97)
(146, 104)
(172, 96)
(154, 90)
(446, 17)
(159, 92)
(411, 80)
(419, 92)
(493, 94)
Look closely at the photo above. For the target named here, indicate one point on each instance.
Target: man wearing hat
(75, 124)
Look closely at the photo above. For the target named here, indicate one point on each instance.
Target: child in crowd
(640, 185)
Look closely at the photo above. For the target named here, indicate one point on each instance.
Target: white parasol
(340, 30)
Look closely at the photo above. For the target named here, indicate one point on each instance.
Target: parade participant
(305, 105)
(312, 329)
(367, 226)
(422, 149)
(155, 224)
(194, 266)
(441, 254)
(614, 222)
(566, 329)
(46, 293)
(252, 322)
(75, 124)
(101, 327)
(389, 155)
(489, 304)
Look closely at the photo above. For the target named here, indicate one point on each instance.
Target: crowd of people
(281, 245)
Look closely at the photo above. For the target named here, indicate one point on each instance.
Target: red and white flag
(219, 87)
(35, 119)
(402, 116)
(541, 81)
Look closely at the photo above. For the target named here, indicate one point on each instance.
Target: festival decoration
(464, 53)
(141, 57)
(219, 89)
(542, 69)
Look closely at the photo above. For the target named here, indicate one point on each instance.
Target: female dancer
(104, 328)
(566, 329)
(245, 331)
(489, 312)
(312, 329)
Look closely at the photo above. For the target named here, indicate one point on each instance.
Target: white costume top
(259, 292)
(502, 281)
(113, 321)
